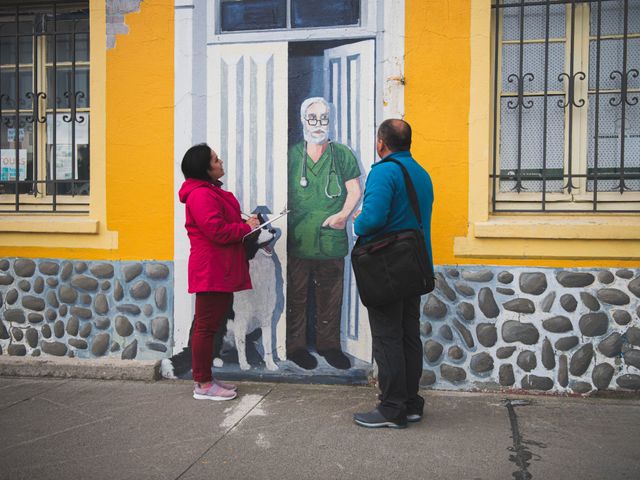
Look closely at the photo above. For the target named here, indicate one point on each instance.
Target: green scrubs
(310, 206)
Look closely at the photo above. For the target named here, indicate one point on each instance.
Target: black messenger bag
(396, 265)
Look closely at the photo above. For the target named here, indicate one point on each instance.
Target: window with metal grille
(565, 106)
(251, 15)
(44, 107)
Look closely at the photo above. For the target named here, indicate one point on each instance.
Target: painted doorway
(341, 73)
(252, 117)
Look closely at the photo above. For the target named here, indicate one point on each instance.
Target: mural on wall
(302, 317)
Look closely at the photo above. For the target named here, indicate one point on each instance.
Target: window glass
(68, 165)
(8, 88)
(64, 50)
(8, 50)
(612, 17)
(609, 139)
(64, 87)
(238, 15)
(528, 154)
(535, 22)
(16, 140)
(326, 13)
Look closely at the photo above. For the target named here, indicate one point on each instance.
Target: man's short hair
(396, 134)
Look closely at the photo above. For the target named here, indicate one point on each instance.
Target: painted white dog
(254, 309)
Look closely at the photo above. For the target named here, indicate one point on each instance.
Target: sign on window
(63, 162)
(8, 164)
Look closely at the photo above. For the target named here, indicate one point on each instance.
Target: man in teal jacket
(395, 327)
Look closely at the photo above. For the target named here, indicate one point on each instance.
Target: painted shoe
(374, 419)
(213, 392)
(303, 359)
(336, 359)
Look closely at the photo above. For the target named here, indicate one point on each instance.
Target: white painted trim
(183, 127)
(390, 61)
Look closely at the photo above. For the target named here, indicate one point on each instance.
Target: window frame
(80, 231)
(41, 202)
(576, 161)
(549, 237)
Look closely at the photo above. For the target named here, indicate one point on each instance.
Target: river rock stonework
(552, 330)
(83, 303)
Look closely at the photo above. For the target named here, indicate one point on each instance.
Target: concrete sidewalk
(92, 429)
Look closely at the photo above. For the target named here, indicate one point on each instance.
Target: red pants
(211, 308)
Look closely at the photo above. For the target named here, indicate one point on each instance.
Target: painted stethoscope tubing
(304, 182)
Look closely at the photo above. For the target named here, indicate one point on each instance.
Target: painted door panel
(248, 126)
(349, 79)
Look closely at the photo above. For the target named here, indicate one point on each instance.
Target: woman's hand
(253, 222)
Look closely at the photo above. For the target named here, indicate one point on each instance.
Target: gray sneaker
(374, 419)
(414, 417)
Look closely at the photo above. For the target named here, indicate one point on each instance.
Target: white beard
(315, 139)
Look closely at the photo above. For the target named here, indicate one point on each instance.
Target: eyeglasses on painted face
(313, 121)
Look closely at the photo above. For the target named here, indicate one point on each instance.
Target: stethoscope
(304, 183)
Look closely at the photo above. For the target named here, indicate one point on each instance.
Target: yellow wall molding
(48, 224)
(589, 228)
(536, 249)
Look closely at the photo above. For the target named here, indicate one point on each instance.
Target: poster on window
(63, 162)
(11, 135)
(8, 164)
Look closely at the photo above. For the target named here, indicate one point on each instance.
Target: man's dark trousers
(397, 350)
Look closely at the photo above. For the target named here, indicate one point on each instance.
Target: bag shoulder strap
(413, 196)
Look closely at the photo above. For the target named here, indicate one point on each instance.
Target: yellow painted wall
(437, 73)
(139, 143)
(140, 134)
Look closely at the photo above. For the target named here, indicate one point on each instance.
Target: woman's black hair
(197, 162)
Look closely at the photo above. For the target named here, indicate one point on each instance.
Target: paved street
(92, 429)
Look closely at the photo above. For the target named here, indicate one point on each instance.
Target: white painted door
(247, 124)
(349, 81)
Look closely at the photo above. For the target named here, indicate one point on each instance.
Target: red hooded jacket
(217, 262)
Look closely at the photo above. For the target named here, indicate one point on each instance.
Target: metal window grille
(44, 107)
(565, 108)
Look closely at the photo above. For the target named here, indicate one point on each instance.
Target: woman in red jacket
(217, 262)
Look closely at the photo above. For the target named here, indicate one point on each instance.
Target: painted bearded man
(324, 189)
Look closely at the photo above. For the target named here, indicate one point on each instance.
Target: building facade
(526, 115)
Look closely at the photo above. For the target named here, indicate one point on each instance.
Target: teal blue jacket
(386, 206)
